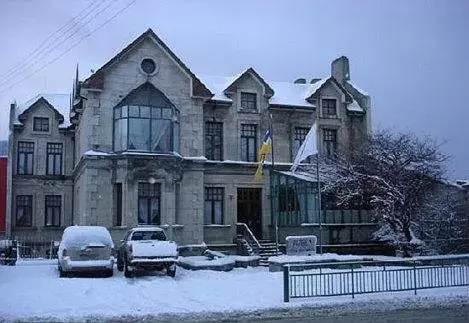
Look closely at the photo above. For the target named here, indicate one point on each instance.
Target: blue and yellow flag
(263, 152)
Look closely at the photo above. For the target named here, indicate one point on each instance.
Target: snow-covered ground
(32, 290)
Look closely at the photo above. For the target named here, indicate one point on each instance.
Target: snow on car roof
(147, 229)
(86, 234)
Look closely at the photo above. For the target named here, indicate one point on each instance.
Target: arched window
(146, 121)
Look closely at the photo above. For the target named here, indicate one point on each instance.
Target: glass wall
(146, 121)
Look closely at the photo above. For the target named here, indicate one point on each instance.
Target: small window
(54, 158)
(288, 199)
(248, 101)
(298, 139)
(329, 108)
(25, 158)
(214, 200)
(53, 205)
(148, 65)
(249, 142)
(41, 124)
(118, 204)
(24, 210)
(330, 142)
(214, 140)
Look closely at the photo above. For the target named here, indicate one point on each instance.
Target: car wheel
(120, 264)
(127, 272)
(171, 272)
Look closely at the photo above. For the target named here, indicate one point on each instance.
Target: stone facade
(100, 185)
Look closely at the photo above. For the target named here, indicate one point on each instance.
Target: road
(452, 313)
(432, 315)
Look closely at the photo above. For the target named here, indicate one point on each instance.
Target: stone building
(145, 141)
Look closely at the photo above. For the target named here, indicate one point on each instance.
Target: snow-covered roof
(354, 107)
(285, 93)
(290, 94)
(60, 102)
(217, 85)
(147, 229)
(79, 235)
(358, 89)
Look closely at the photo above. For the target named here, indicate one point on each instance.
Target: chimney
(340, 69)
(12, 115)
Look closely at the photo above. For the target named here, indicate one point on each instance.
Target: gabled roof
(330, 80)
(284, 94)
(268, 90)
(96, 80)
(60, 103)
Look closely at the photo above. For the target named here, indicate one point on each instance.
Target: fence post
(286, 283)
(353, 285)
(415, 280)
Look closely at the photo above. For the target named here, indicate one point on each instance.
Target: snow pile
(202, 261)
(150, 248)
(284, 259)
(95, 153)
(35, 292)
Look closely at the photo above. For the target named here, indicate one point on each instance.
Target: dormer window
(248, 101)
(41, 124)
(329, 108)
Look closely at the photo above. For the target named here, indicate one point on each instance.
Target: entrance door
(250, 209)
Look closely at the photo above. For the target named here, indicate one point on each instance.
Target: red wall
(3, 191)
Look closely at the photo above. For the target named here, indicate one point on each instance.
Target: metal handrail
(414, 274)
(251, 235)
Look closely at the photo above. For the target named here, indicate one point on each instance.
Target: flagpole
(271, 178)
(319, 202)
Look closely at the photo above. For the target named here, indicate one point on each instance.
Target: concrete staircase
(267, 249)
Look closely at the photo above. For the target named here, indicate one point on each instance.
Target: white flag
(307, 148)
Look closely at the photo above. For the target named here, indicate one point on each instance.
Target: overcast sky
(410, 56)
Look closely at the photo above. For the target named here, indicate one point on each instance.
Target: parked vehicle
(145, 249)
(8, 252)
(86, 249)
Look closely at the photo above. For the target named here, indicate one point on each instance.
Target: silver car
(86, 249)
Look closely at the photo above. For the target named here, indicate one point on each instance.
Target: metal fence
(374, 276)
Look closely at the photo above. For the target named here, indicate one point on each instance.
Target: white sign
(301, 245)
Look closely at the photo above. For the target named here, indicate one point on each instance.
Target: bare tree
(395, 174)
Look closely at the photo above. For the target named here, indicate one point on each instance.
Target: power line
(40, 47)
(49, 50)
(71, 47)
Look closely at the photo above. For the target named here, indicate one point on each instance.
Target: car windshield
(148, 235)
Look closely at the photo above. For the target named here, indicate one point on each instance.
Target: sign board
(301, 245)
